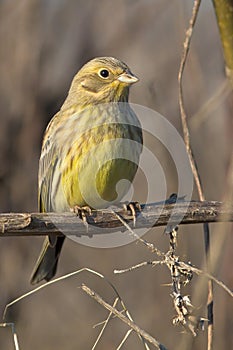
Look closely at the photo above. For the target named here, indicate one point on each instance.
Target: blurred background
(43, 44)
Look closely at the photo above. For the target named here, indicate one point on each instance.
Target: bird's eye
(104, 73)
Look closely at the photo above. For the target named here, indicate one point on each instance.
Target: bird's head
(102, 80)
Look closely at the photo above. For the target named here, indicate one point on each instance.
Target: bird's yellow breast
(102, 164)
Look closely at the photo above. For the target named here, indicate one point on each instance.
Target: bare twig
(182, 266)
(124, 339)
(105, 323)
(122, 317)
(138, 266)
(13, 331)
(56, 280)
(186, 44)
(180, 277)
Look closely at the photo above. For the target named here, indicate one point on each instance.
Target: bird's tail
(46, 264)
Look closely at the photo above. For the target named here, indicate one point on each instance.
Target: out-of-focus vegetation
(43, 44)
(224, 13)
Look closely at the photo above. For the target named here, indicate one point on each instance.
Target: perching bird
(92, 143)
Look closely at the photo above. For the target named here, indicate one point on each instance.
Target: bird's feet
(134, 208)
(82, 213)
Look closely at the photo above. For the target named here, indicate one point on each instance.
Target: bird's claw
(82, 213)
(134, 208)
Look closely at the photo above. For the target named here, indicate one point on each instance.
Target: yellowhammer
(89, 146)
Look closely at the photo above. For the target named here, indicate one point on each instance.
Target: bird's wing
(47, 166)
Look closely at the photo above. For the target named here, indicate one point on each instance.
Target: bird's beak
(127, 78)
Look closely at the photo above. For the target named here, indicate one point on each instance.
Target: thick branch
(25, 224)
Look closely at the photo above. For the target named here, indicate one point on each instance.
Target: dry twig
(122, 317)
(13, 331)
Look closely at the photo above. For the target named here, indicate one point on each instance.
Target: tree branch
(41, 224)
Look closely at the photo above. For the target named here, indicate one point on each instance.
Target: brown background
(42, 45)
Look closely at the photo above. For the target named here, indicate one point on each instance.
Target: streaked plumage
(92, 134)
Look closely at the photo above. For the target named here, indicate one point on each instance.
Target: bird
(89, 146)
